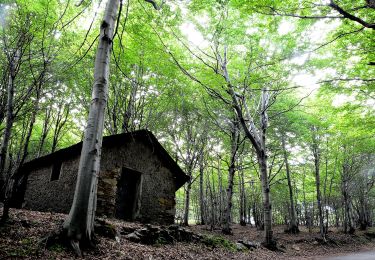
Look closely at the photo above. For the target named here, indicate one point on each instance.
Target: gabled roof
(143, 136)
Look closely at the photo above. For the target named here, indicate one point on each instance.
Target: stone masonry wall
(45, 195)
(157, 188)
(157, 194)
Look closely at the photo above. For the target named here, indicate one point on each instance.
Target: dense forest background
(260, 102)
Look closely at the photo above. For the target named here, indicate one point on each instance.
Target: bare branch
(346, 79)
(350, 16)
(154, 4)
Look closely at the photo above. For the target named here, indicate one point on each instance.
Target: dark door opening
(128, 189)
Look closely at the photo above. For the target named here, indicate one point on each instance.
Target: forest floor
(21, 238)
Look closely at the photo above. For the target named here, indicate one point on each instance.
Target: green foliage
(218, 242)
(166, 76)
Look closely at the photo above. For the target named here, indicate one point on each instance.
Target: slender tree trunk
(187, 203)
(213, 208)
(201, 190)
(243, 211)
(348, 227)
(44, 131)
(219, 195)
(9, 122)
(267, 210)
(130, 106)
(10, 183)
(319, 199)
(293, 228)
(257, 138)
(228, 207)
(79, 225)
(231, 171)
(316, 154)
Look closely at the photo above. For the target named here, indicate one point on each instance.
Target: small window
(56, 169)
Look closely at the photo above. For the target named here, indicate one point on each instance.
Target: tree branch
(350, 16)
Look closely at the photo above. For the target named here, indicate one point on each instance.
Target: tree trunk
(61, 119)
(187, 203)
(293, 228)
(44, 131)
(243, 211)
(316, 154)
(9, 122)
(202, 209)
(257, 138)
(126, 125)
(79, 224)
(348, 226)
(268, 233)
(232, 169)
(10, 182)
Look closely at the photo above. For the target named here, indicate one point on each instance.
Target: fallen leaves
(22, 238)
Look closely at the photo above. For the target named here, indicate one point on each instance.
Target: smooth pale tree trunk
(231, 171)
(219, 195)
(202, 208)
(79, 224)
(348, 225)
(189, 172)
(243, 211)
(187, 203)
(262, 160)
(257, 138)
(293, 228)
(316, 154)
(267, 208)
(259, 143)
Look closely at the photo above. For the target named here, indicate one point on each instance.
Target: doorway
(128, 194)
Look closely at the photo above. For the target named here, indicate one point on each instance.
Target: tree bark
(231, 171)
(257, 138)
(316, 154)
(61, 119)
(13, 63)
(187, 203)
(79, 225)
(293, 228)
(202, 207)
(348, 224)
(243, 211)
(45, 130)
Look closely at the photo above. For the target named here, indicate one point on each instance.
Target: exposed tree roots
(292, 230)
(271, 245)
(60, 237)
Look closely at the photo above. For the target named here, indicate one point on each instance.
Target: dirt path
(369, 255)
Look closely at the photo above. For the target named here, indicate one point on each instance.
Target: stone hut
(137, 180)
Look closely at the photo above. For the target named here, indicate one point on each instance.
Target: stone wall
(107, 187)
(157, 189)
(45, 195)
(157, 194)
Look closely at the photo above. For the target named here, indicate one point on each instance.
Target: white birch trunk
(80, 222)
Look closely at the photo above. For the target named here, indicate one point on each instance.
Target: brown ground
(22, 237)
